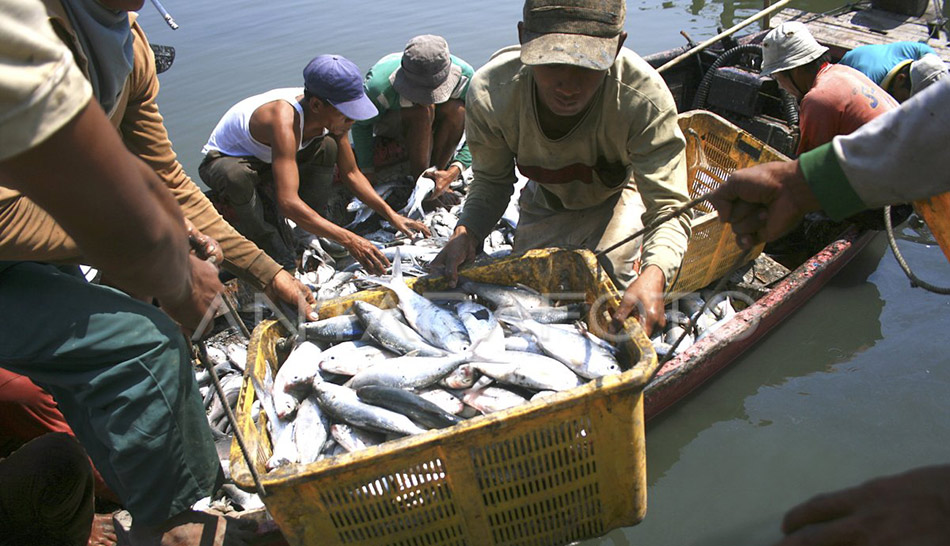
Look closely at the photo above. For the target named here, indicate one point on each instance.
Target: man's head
(570, 45)
(335, 81)
(925, 71)
(426, 74)
(897, 81)
(792, 56)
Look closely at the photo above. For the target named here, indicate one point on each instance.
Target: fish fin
(397, 267)
(528, 288)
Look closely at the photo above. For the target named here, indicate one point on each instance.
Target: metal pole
(764, 13)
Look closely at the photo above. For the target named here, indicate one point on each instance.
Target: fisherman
(287, 142)
(594, 129)
(117, 367)
(121, 66)
(926, 71)
(888, 65)
(898, 157)
(420, 95)
(834, 99)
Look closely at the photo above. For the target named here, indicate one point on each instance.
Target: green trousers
(121, 373)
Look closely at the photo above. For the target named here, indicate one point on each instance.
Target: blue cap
(338, 81)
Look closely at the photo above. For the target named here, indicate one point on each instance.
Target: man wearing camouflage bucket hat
(834, 99)
(594, 129)
(420, 94)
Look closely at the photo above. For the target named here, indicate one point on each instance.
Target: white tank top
(232, 135)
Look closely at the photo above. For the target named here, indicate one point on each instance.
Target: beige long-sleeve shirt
(28, 233)
(629, 137)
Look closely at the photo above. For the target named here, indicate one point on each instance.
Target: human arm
(118, 211)
(658, 162)
(488, 196)
(907, 509)
(144, 134)
(359, 186)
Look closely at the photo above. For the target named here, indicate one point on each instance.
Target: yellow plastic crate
(714, 149)
(548, 473)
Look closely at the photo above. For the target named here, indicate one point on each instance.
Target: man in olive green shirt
(594, 129)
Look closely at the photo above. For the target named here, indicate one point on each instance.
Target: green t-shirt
(379, 88)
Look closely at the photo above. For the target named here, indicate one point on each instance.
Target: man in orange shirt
(834, 99)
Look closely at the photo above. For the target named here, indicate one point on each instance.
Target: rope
(653, 225)
(915, 281)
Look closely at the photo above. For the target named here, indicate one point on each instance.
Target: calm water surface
(856, 384)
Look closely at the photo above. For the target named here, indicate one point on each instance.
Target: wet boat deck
(845, 29)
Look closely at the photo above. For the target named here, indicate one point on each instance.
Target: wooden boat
(735, 90)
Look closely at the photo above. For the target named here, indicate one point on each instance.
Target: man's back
(877, 60)
(840, 101)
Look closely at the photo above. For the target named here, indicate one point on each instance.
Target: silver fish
(408, 372)
(285, 449)
(349, 357)
(391, 333)
(342, 403)
(444, 399)
(531, 371)
(338, 328)
(492, 399)
(522, 342)
(353, 438)
(505, 296)
(483, 328)
(462, 377)
(298, 371)
(409, 404)
(438, 326)
(424, 186)
(585, 357)
(311, 430)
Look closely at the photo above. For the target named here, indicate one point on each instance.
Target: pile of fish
(360, 379)
(328, 270)
(686, 317)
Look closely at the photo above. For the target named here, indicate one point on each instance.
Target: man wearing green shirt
(420, 94)
(594, 128)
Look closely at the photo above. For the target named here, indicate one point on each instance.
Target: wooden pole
(764, 13)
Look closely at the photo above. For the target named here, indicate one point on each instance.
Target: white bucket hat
(926, 71)
(788, 46)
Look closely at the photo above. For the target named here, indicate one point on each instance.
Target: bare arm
(360, 186)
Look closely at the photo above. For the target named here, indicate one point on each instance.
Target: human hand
(194, 303)
(409, 226)
(203, 246)
(459, 250)
(442, 179)
(366, 254)
(643, 299)
(907, 509)
(285, 287)
(764, 201)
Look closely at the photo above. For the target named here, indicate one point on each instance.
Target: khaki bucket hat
(582, 33)
(789, 46)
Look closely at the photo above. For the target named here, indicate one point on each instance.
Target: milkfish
(392, 334)
(492, 399)
(438, 326)
(311, 430)
(482, 326)
(531, 371)
(342, 403)
(582, 355)
(352, 438)
(349, 357)
(409, 404)
(424, 186)
(505, 296)
(409, 372)
(338, 328)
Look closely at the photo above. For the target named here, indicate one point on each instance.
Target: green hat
(582, 33)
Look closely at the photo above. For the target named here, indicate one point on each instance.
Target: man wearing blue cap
(288, 141)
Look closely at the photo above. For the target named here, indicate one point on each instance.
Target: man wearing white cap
(594, 129)
(289, 141)
(420, 94)
(926, 71)
(888, 65)
(834, 99)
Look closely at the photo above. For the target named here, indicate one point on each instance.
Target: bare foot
(103, 531)
(194, 528)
